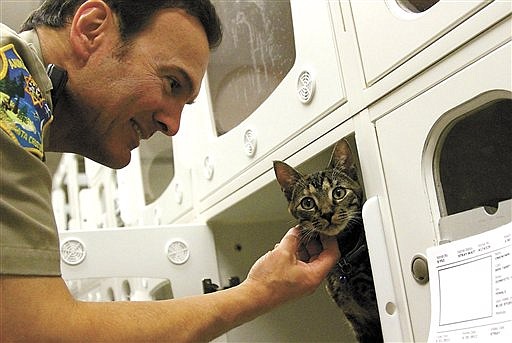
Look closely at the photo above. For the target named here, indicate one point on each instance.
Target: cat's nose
(327, 216)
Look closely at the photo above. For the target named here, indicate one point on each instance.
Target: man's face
(128, 97)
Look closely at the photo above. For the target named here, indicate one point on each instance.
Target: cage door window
(157, 166)
(416, 6)
(475, 159)
(257, 52)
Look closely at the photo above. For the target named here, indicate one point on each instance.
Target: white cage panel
(408, 159)
(390, 32)
(182, 254)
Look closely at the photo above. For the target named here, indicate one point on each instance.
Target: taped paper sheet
(471, 288)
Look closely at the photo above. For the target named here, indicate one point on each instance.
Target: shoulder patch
(24, 112)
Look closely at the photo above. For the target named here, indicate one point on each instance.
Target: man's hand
(292, 270)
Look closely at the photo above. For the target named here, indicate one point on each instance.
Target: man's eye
(307, 203)
(174, 84)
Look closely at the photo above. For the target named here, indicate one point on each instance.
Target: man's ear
(92, 21)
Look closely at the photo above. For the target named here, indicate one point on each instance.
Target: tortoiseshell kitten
(329, 202)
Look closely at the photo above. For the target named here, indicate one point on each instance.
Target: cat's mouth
(330, 229)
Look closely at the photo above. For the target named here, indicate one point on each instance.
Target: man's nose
(168, 121)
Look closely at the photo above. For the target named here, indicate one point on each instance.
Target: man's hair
(133, 15)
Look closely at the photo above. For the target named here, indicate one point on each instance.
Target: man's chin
(118, 164)
(114, 161)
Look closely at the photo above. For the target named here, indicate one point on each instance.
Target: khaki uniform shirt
(28, 235)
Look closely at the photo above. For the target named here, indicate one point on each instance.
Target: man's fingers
(291, 240)
(302, 254)
(328, 257)
(314, 247)
(330, 243)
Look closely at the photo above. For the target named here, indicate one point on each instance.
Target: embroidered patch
(24, 112)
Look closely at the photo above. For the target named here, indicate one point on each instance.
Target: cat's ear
(286, 176)
(342, 158)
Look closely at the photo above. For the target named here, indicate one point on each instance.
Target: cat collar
(345, 263)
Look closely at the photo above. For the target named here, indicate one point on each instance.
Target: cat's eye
(338, 193)
(307, 203)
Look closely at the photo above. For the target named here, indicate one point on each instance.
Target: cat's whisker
(291, 222)
(307, 234)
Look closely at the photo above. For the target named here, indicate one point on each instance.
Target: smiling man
(131, 67)
(121, 90)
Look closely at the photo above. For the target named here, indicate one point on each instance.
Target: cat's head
(325, 201)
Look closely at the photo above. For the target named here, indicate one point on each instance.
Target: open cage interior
(472, 170)
(251, 227)
(475, 159)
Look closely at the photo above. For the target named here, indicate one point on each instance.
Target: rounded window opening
(157, 166)
(110, 294)
(127, 290)
(256, 54)
(416, 6)
(474, 159)
(162, 291)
